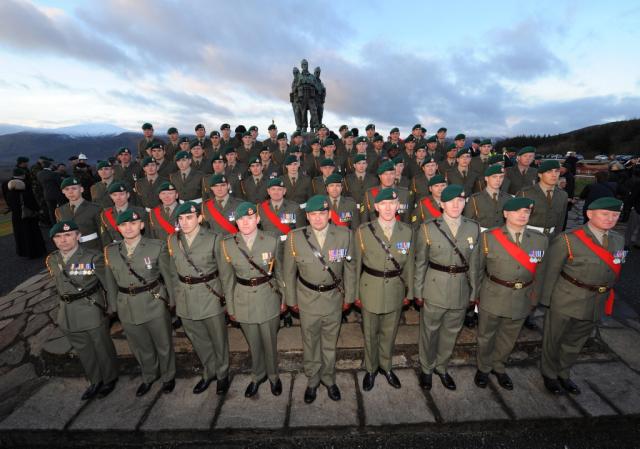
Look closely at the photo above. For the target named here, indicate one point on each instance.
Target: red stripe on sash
(514, 251)
(426, 202)
(273, 218)
(220, 218)
(162, 222)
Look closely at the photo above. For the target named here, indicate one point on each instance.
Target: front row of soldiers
(320, 270)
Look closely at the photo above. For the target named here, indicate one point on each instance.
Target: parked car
(601, 157)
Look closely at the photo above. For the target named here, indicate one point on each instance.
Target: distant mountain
(83, 129)
(610, 138)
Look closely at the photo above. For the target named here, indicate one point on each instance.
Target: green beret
(296, 134)
(182, 155)
(63, 226)
(369, 126)
(452, 191)
(184, 140)
(460, 137)
(437, 179)
(199, 126)
(103, 164)
(394, 130)
(386, 194)
(217, 178)
(195, 143)
(421, 146)
(495, 169)
(123, 150)
(225, 126)
(327, 163)
(128, 215)
(432, 139)
(166, 186)
(272, 126)
(361, 139)
(333, 178)
(245, 208)
(442, 130)
(322, 126)
(275, 182)
(172, 130)
(485, 142)
(416, 126)
(547, 165)
(252, 128)
(66, 182)
(229, 149)
(398, 160)
(265, 148)
(188, 207)
(386, 166)
(281, 136)
(117, 186)
(359, 158)
(254, 160)
(348, 134)
(290, 159)
(526, 150)
(217, 157)
(393, 146)
(317, 203)
(477, 141)
(22, 159)
(314, 141)
(154, 144)
(147, 126)
(343, 127)
(213, 134)
(409, 139)
(606, 203)
(452, 146)
(246, 134)
(518, 203)
(147, 160)
(428, 160)
(496, 158)
(463, 151)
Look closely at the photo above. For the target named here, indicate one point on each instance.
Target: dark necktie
(73, 209)
(518, 238)
(335, 205)
(605, 240)
(167, 211)
(549, 198)
(495, 197)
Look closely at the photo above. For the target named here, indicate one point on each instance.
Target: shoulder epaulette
(46, 262)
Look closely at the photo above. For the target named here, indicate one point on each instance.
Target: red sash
(607, 258)
(111, 219)
(426, 202)
(220, 218)
(162, 222)
(514, 251)
(336, 219)
(273, 218)
(374, 194)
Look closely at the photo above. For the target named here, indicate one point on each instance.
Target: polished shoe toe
(92, 391)
(107, 388)
(503, 380)
(447, 380)
(481, 379)
(167, 387)
(253, 387)
(391, 378)
(143, 388)
(553, 386)
(334, 393)
(202, 385)
(276, 387)
(426, 381)
(310, 395)
(569, 385)
(223, 385)
(369, 381)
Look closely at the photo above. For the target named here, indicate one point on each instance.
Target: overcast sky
(485, 68)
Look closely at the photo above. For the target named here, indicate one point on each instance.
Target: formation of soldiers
(232, 231)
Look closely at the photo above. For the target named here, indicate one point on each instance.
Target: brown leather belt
(382, 274)
(136, 290)
(516, 285)
(451, 269)
(318, 288)
(577, 283)
(69, 298)
(254, 282)
(194, 280)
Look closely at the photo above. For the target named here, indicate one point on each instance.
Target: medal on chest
(403, 247)
(147, 263)
(535, 256)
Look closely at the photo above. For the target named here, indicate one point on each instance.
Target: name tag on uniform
(337, 255)
(536, 256)
(403, 247)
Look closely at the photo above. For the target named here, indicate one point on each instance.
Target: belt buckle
(65, 299)
(187, 279)
(130, 289)
(602, 289)
(253, 282)
(321, 287)
(452, 269)
(518, 285)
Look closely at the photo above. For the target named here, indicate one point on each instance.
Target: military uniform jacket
(493, 259)
(488, 213)
(85, 268)
(87, 217)
(251, 304)
(110, 233)
(299, 260)
(518, 181)
(356, 189)
(272, 170)
(147, 193)
(380, 295)
(372, 160)
(478, 166)
(190, 188)
(422, 213)
(170, 150)
(237, 172)
(196, 301)
(405, 197)
(347, 212)
(151, 261)
(252, 192)
(444, 166)
(302, 190)
(128, 174)
(228, 211)
(289, 213)
(99, 194)
(156, 230)
(232, 183)
(143, 143)
(203, 166)
(317, 186)
(569, 254)
(166, 168)
(311, 164)
(545, 215)
(420, 185)
(438, 288)
(470, 182)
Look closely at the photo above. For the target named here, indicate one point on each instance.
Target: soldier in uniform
(384, 270)
(254, 186)
(450, 161)
(279, 215)
(188, 181)
(163, 217)
(234, 169)
(79, 274)
(219, 211)
(99, 194)
(218, 166)
(225, 138)
(172, 146)
(445, 283)
(298, 186)
(582, 267)
(201, 137)
(441, 146)
(126, 170)
(49, 181)
(416, 131)
(109, 230)
(246, 149)
(430, 206)
(279, 151)
(164, 162)
(462, 174)
(198, 161)
(143, 144)
(420, 182)
(357, 183)
(343, 210)
(327, 167)
(84, 213)
(272, 141)
(481, 162)
(433, 151)
(313, 160)
(387, 176)
(269, 168)
(510, 266)
(329, 150)
(195, 252)
(319, 275)
(142, 291)
(521, 174)
(216, 147)
(486, 207)
(247, 270)
(146, 188)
